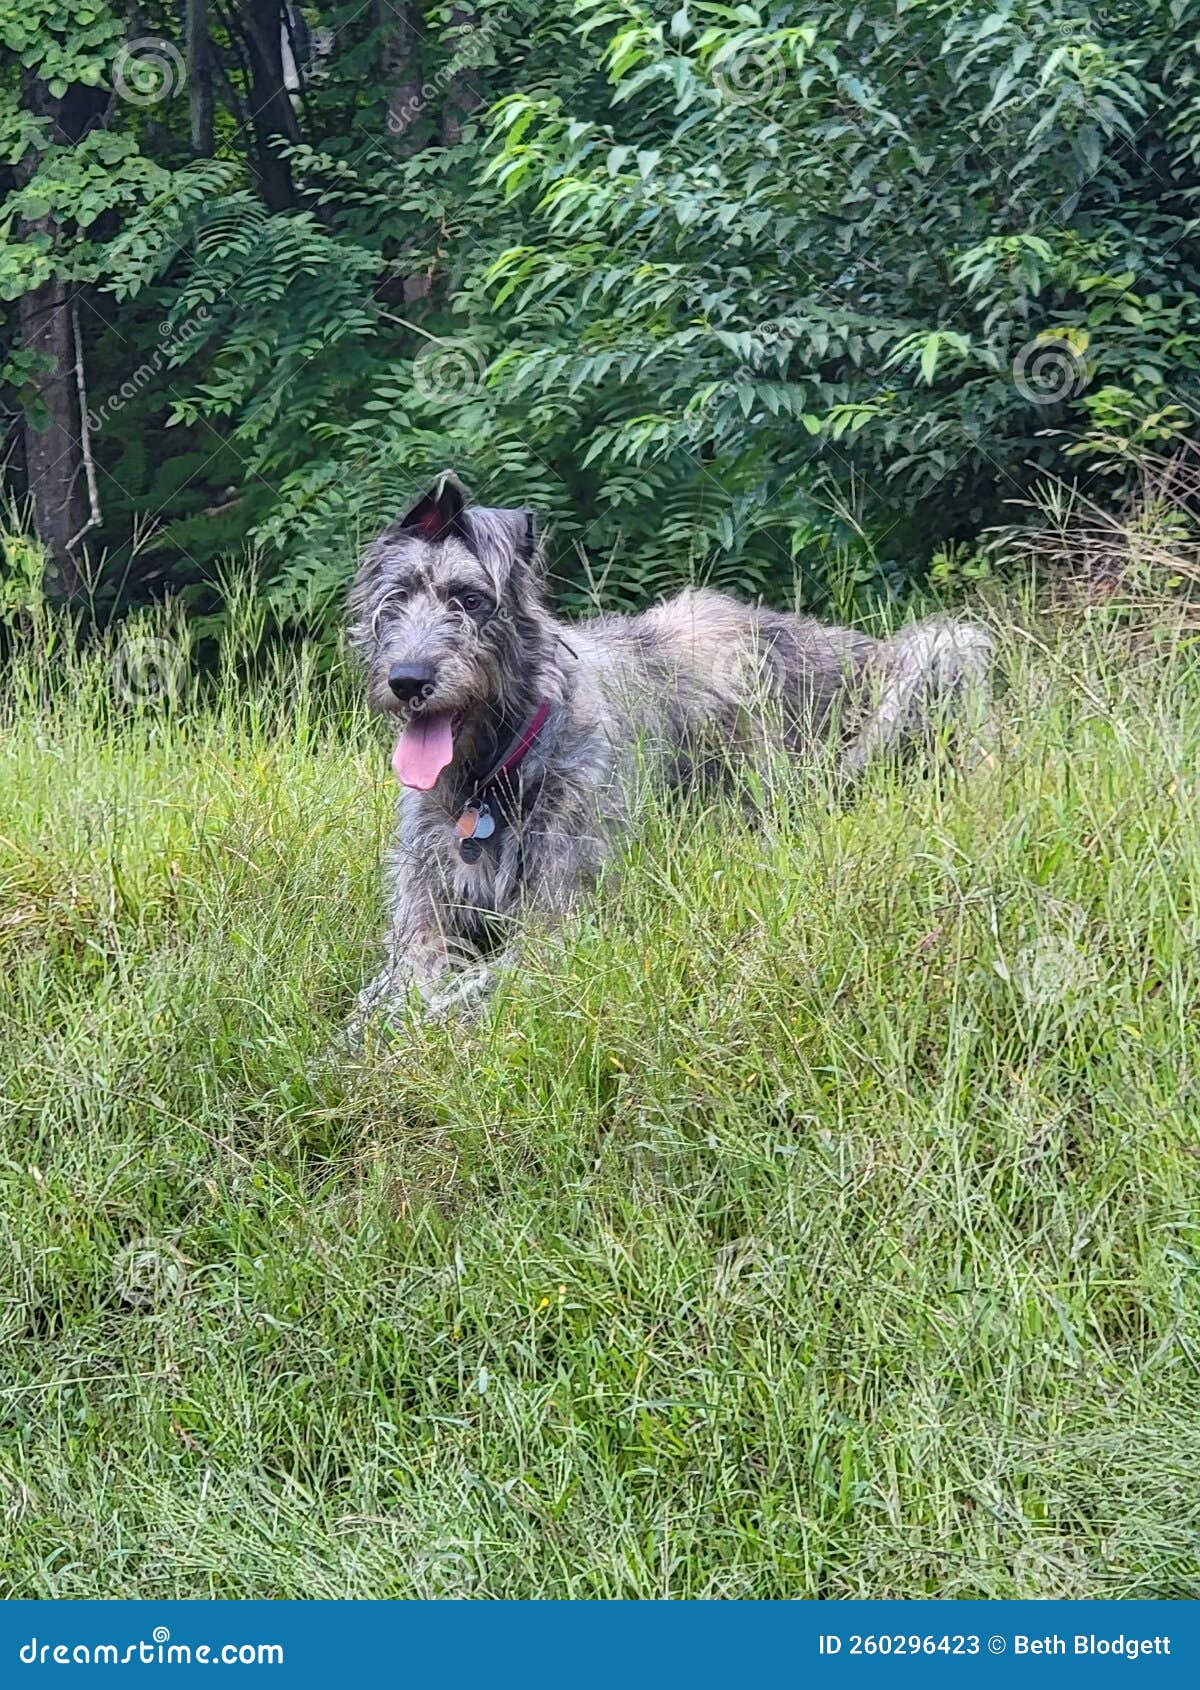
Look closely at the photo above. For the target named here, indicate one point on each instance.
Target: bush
(789, 302)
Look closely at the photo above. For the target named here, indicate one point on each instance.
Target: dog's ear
(500, 538)
(438, 513)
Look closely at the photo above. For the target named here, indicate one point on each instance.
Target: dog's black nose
(411, 681)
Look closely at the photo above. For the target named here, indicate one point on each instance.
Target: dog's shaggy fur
(452, 594)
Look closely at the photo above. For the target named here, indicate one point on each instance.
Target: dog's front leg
(415, 962)
(555, 869)
(417, 953)
(416, 959)
(462, 991)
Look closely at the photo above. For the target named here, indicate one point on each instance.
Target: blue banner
(528, 1645)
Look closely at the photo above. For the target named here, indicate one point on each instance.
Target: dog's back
(702, 665)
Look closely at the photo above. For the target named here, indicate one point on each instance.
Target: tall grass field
(818, 1217)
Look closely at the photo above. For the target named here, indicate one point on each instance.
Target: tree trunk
(402, 74)
(54, 458)
(200, 78)
(53, 428)
(270, 107)
(462, 92)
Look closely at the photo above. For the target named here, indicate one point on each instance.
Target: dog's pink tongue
(423, 750)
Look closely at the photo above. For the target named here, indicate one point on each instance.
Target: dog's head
(446, 616)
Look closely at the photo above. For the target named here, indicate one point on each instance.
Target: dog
(522, 742)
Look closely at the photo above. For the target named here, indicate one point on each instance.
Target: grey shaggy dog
(523, 741)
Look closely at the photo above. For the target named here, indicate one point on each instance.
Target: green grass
(819, 1220)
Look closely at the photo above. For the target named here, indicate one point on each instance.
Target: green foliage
(833, 261)
(697, 283)
(64, 41)
(22, 570)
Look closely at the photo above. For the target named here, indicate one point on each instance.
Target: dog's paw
(378, 1007)
(460, 995)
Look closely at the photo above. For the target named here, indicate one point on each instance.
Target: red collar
(475, 822)
(520, 747)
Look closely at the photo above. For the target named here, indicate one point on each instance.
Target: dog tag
(476, 824)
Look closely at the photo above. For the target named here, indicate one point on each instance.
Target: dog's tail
(918, 677)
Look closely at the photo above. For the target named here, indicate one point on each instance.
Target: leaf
(992, 24)
(929, 357)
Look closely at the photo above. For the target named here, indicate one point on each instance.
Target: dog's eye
(470, 602)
